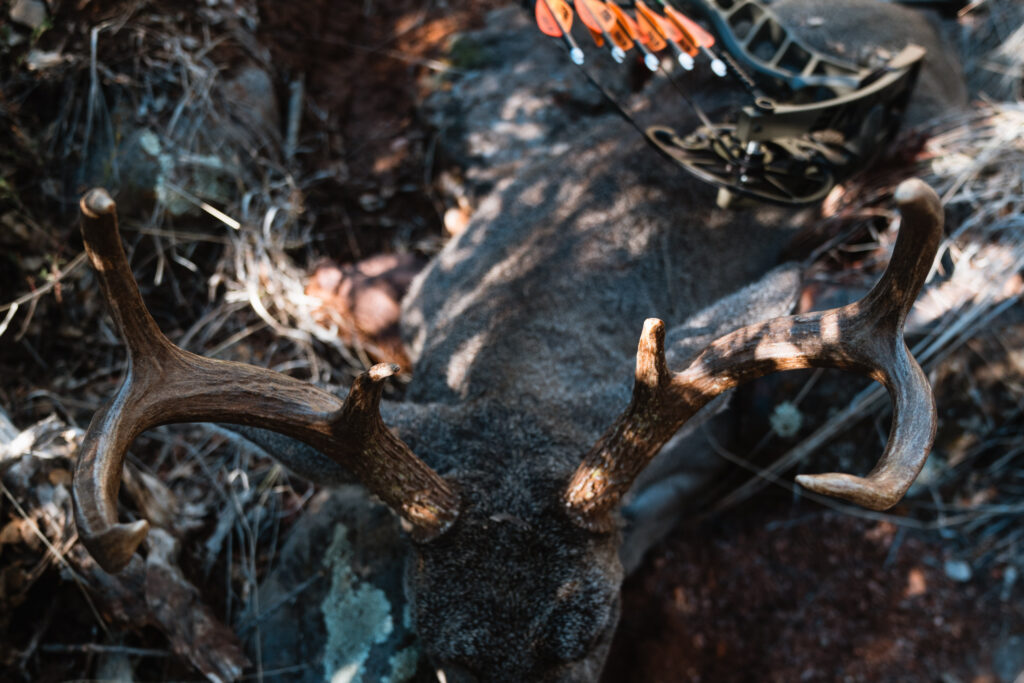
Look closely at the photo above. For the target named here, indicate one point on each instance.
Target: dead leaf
(59, 477)
(363, 300)
(11, 533)
(916, 584)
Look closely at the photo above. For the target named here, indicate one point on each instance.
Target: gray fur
(523, 332)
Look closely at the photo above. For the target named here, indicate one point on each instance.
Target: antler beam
(165, 384)
(865, 337)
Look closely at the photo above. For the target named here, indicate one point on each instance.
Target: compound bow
(814, 119)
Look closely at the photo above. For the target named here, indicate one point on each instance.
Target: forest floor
(770, 587)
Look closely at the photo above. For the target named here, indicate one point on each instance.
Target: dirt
(782, 589)
(775, 592)
(362, 63)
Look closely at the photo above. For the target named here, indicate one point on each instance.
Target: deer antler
(865, 337)
(165, 384)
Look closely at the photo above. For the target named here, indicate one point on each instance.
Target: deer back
(537, 304)
(507, 460)
(523, 330)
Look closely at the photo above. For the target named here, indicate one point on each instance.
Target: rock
(30, 13)
(338, 587)
(941, 80)
(140, 168)
(252, 98)
(958, 570)
(1008, 659)
(143, 166)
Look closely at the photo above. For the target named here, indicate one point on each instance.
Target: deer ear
(772, 296)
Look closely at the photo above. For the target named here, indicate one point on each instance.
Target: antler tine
(165, 384)
(886, 306)
(865, 337)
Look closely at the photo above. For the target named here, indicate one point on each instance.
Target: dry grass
(219, 242)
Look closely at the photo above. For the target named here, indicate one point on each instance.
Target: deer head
(514, 571)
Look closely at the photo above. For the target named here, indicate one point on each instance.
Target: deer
(537, 436)
(545, 524)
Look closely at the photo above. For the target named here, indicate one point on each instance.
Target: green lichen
(204, 176)
(356, 614)
(403, 665)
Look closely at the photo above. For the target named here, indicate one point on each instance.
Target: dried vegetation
(227, 130)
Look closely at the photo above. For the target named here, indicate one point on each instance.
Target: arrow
(554, 18)
(600, 20)
(651, 60)
(669, 33)
(703, 40)
(649, 34)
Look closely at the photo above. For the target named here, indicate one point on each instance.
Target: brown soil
(777, 590)
(361, 70)
(799, 594)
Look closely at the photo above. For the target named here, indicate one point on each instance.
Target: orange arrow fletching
(621, 38)
(681, 39)
(648, 33)
(595, 15)
(686, 39)
(643, 10)
(666, 28)
(619, 31)
(546, 11)
(624, 20)
(655, 22)
(700, 36)
(597, 36)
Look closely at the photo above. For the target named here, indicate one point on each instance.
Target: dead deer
(515, 568)
(527, 472)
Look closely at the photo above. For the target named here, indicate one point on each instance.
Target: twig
(7, 319)
(235, 338)
(59, 555)
(50, 284)
(768, 477)
(254, 619)
(97, 648)
(208, 208)
(295, 99)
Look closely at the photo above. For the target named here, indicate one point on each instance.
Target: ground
(768, 588)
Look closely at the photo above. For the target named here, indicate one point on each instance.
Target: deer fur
(523, 333)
